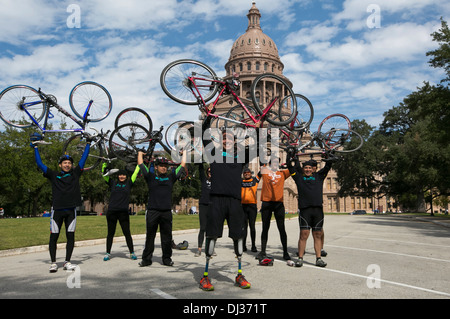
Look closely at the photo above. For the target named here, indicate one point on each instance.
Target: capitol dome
(254, 52)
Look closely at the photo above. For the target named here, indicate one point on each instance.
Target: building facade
(252, 54)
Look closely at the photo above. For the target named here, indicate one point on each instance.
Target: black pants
(250, 212)
(266, 214)
(124, 220)
(163, 219)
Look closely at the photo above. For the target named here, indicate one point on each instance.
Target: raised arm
(38, 159)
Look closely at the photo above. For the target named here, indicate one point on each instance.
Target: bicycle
(99, 150)
(192, 82)
(22, 106)
(128, 139)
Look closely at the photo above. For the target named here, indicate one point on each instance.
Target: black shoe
(261, 255)
(254, 250)
(320, 263)
(323, 253)
(286, 256)
(144, 263)
(167, 262)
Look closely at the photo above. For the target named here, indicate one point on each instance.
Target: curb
(82, 243)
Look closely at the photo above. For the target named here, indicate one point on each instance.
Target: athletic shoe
(286, 256)
(299, 262)
(261, 255)
(167, 262)
(254, 250)
(69, 266)
(205, 284)
(53, 268)
(107, 257)
(242, 282)
(198, 253)
(320, 262)
(323, 253)
(133, 256)
(144, 263)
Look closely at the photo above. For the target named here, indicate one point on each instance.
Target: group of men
(225, 196)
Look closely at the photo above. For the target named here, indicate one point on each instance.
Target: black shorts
(311, 217)
(223, 208)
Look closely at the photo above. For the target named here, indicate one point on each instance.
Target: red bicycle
(192, 82)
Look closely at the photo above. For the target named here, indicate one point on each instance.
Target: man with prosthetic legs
(226, 162)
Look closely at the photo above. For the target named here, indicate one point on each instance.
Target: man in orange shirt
(272, 201)
(248, 200)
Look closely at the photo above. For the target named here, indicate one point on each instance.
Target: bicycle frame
(224, 86)
(49, 115)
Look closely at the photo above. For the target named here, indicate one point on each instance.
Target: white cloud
(21, 20)
(355, 12)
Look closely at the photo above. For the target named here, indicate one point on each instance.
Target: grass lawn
(25, 232)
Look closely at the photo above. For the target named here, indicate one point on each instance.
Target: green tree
(441, 56)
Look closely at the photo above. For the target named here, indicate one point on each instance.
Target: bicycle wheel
(176, 84)
(264, 89)
(180, 135)
(13, 102)
(93, 94)
(334, 121)
(134, 115)
(342, 140)
(242, 133)
(305, 113)
(127, 139)
(74, 147)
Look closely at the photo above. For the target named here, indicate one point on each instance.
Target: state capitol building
(252, 54)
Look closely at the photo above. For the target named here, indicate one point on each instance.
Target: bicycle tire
(11, 100)
(75, 145)
(179, 133)
(342, 140)
(286, 104)
(334, 121)
(85, 92)
(127, 139)
(305, 113)
(240, 131)
(174, 81)
(134, 115)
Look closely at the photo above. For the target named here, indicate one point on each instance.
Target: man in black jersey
(66, 197)
(310, 203)
(225, 199)
(160, 184)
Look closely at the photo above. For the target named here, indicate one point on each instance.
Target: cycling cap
(161, 160)
(65, 157)
(311, 163)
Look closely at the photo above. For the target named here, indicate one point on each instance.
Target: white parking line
(390, 253)
(397, 241)
(162, 294)
(371, 278)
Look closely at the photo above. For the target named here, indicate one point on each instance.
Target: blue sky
(345, 56)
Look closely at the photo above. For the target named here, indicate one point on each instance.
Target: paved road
(369, 257)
